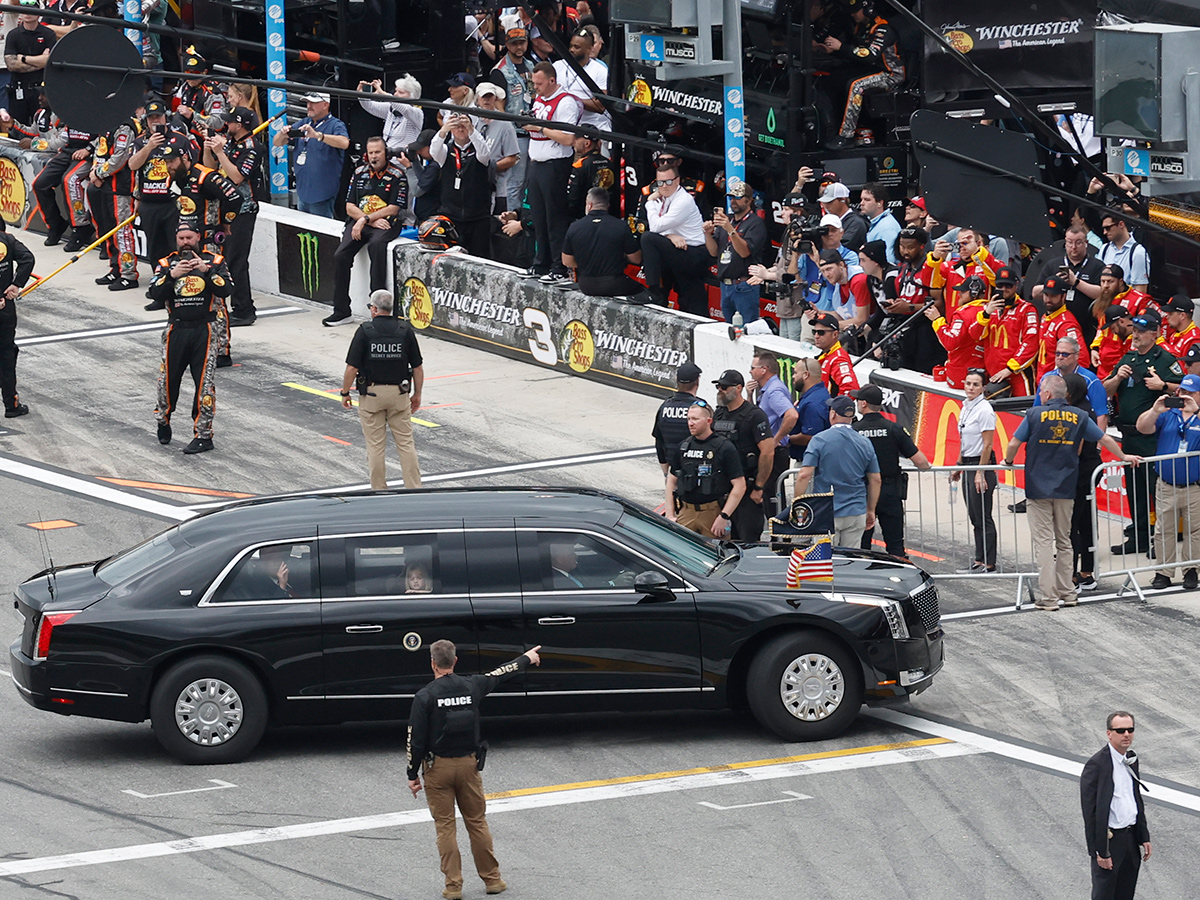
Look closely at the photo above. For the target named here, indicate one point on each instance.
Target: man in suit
(563, 562)
(1114, 816)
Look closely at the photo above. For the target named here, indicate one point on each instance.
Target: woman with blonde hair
(245, 95)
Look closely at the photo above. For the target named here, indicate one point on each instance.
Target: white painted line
(791, 798)
(1029, 607)
(91, 489)
(219, 786)
(125, 329)
(467, 474)
(565, 797)
(1158, 793)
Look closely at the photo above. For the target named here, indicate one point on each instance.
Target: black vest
(701, 477)
(387, 353)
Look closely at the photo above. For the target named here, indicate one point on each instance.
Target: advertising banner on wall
(471, 302)
(1038, 45)
(305, 262)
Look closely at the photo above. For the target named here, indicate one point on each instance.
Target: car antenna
(48, 558)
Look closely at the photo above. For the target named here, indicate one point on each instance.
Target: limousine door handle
(363, 629)
(557, 620)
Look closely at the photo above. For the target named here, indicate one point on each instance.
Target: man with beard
(580, 48)
(1007, 327)
(514, 73)
(1080, 272)
(747, 426)
(1112, 340)
(942, 273)
(837, 369)
(918, 347)
(1057, 323)
(1113, 289)
(737, 241)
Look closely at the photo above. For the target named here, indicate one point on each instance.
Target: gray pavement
(930, 818)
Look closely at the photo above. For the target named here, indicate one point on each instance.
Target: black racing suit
(875, 51)
(16, 265)
(212, 202)
(444, 720)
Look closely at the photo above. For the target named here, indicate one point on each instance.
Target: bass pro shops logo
(577, 347)
(416, 302)
(310, 262)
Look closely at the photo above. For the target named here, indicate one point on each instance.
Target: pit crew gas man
(706, 485)
(1007, 327)
(963, 350)
(192, 283)
(837, 369)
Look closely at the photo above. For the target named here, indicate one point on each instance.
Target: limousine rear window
(690, 551)
(132, 563)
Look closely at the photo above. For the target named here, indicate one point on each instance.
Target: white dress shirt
(677, 214)
(1122, 812)
(977, 416)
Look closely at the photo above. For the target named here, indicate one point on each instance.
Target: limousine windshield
(693, 553)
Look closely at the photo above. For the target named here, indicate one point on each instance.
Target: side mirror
(654, 585)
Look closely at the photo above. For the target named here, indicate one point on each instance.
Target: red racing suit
(949, 273)
(1110, 349)
(1057, 325)
(1178, 342)
(963, 351)
(1010, 341)
(837, 370)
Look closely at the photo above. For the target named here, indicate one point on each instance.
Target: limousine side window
(392, 565)
(274, 572)
(571, 562)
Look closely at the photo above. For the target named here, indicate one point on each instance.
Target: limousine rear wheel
(209, 710)
(804, 686)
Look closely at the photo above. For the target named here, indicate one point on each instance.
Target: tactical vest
(387, 355)
(699, 475)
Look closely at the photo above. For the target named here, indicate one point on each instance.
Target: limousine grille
(926, 602)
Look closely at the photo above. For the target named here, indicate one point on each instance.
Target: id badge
(704, 470)
(19, 93)
(726, 257)
(458, 182)
(302, 157)
(1183, 447)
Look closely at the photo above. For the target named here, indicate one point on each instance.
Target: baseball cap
(1190, 383)
(516, 34)
(156, 108)
(1147, 321)
(729, 378)
(831, 256)
(687, 373)
(914, 233)
(842, 405)
(918, 202)
(741, 189)
(973, 284)
(1192, 355)
(829, 220)
(1004, 275)
(825, 320)
(1180, 303)
(876, 251)
(316, 97)
(187, 225)
(834, 191)
(869, 393)
(1113, 271)
(175, 146)
(1053, 286)
(795, 200)
(1114, 312)
(461, 79)
(242, 115)
(424, 139)
(489, 87)
(656, 155)
(193, 61)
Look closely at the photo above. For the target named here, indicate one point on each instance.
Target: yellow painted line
(334, 395)
(726, 767)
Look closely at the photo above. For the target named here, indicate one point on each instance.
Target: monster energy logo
(787, 371)
(310, 262)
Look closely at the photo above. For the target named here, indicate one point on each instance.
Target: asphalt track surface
(969, 790)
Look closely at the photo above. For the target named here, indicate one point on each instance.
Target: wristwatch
(723, 515)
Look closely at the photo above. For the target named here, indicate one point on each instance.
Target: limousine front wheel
(209, 710)
(804, 686)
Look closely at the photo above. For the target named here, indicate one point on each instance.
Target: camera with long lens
(805, 232)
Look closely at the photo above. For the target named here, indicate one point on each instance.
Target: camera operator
(788, 281)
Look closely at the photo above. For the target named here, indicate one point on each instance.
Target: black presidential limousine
(321, 609)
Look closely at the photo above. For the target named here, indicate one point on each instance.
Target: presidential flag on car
(811, 563)
(810, 516)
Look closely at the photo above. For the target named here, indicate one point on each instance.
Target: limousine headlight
(892, 611)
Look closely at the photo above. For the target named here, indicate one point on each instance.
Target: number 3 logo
(541, 345)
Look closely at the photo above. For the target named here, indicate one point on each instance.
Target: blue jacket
(1177, 435)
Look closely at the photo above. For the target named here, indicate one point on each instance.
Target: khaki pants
(1173, 502)
(699, 520)
(388, 409)
(848, 530)
(1050, 527)
(454, 778)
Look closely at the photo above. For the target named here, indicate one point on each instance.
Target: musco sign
(474, 302)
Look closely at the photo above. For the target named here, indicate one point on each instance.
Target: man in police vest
(670, 422)
(704, 490)
(386, 362)
(1052, 434)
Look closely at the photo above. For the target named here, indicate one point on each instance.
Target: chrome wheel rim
(812, 687)
(208, 712)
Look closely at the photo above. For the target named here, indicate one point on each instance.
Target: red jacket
(1111, 348)
(1177, 342)
(949, 274)
(963, 350)
(1057, 325)
(1009, 338)
(837, 370)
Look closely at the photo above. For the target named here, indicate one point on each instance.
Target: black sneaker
(241, 321)
(1086, 582)
(224, 361)
(164, 433)
(1190, 580)
(198, 445)
(78, 241)
(122, 284)
(1019, 507)
(1130, 547)
(1160, 582)
(54, 238)
(154, 305)
(11, 412)
(335, 320)
(107, 278)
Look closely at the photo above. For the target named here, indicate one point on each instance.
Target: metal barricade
(945, 524)
(1123, 499)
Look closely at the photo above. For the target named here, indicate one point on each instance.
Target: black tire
(222, 711)
(832, 675)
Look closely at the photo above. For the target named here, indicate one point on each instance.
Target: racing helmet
(437, 232)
